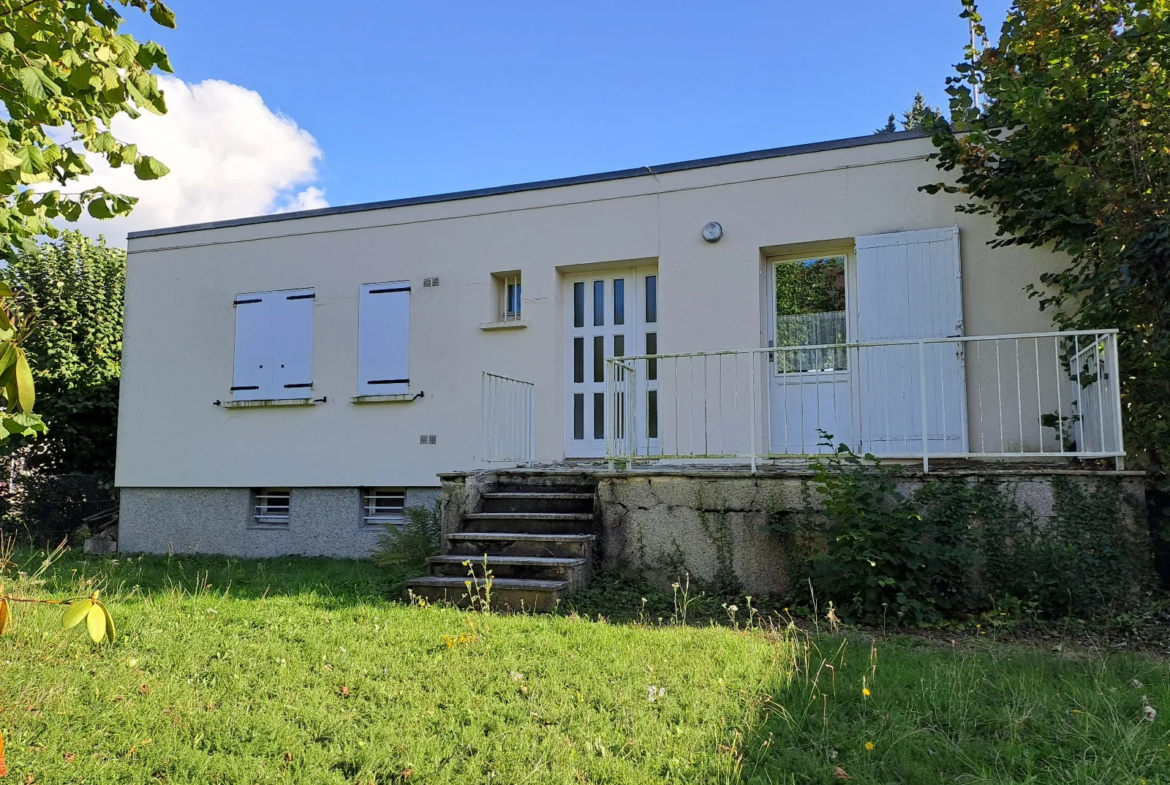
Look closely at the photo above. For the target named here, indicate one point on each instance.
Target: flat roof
(621, 174)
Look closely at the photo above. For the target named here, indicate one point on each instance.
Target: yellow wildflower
(869, 745)
(865, 691)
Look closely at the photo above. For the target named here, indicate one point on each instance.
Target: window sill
(514, 325)
(266, 402)
(402, 398)
(275, 527)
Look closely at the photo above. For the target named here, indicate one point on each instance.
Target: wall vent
(430, 282)
(428, 439)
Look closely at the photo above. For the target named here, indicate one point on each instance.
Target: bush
(410, 546)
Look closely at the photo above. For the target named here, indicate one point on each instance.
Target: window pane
(651, 348)
(651, 298)
(579, 416)
(619, 346)
(619, 301)
(599, 358)
(598, 415)
(598, 303)
(652, 414)
(810, 311)
(578, 360)
(578, 305)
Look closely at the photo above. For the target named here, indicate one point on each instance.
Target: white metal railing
(509, 419)
(1030, 395)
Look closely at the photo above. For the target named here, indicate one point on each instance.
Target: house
(291, 382)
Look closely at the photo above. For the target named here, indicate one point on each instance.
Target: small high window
(270, 506)
(384, 506)
(509, 296)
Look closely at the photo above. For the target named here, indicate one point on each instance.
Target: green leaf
(150, 168)
(7, 42)
(8, 160)
(110, 633)
(163, 15)
(30, 80)
(95, 622)
(24, 382)
(75, 613)
(100, 210)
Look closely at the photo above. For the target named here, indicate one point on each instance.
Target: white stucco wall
(180, 319)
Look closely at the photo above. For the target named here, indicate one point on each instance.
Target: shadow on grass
(330, 582)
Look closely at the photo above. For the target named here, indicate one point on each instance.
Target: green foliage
(867, 549)
(1071, 150)
(410, 546)
(16, 379)
(959, 546)
(815, 286)
(919, 115)
(64, 64)
(76, 287)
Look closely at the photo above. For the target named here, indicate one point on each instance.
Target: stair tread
(534, 561)
(540, 495)
(476, 536)
(529, 516)
(498, 584)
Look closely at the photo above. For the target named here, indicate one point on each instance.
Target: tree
(75, 288)
(919, 115)
(65, 73)
(1071, 150)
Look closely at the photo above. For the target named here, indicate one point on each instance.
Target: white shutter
(252, 377)
(384, 339)
(292, 318)
(909, 287)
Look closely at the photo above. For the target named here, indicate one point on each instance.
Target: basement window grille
(384, 507)
(509, 296)
(271, 506)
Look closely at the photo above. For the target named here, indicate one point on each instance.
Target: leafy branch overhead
(16, 379)
(65, 67)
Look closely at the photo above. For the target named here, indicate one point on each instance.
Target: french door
(610, 313)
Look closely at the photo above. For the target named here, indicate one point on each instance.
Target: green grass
(300, 670)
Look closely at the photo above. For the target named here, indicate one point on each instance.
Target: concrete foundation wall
(670, 524)
(322, 522)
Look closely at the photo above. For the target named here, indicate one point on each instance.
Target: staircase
(537, 533)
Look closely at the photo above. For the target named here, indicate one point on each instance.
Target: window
(271, 506)
(509, 296)
(274, 345)
(384, 339)
(810, 311)
(382, 506)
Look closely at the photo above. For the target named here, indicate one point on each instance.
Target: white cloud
(230, 156)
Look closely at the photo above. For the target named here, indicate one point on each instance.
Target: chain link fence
(43, 509)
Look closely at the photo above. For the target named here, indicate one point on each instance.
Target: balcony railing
(1032, 395)
(508, 419)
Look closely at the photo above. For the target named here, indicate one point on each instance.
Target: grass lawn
(299, 670)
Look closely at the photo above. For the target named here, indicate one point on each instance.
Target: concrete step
(471, 544)
(553, 483)
(507, 593)
(537, 502)
(529, 522)
(541, 568)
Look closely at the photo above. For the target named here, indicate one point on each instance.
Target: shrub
(410, 546)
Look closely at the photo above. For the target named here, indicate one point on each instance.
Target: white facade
(466, 260)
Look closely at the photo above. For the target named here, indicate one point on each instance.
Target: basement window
(384, 507)
(271, 506)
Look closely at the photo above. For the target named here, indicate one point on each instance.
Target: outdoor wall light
(712, 232)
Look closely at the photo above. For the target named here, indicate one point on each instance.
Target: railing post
(922, 397)
(755, 406)
(532, 425)
(1114, 371)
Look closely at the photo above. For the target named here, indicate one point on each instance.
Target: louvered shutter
(909, 287)
(384, 339)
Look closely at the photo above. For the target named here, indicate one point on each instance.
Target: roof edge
(538, 185)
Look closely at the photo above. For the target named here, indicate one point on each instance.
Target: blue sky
(413, 98)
